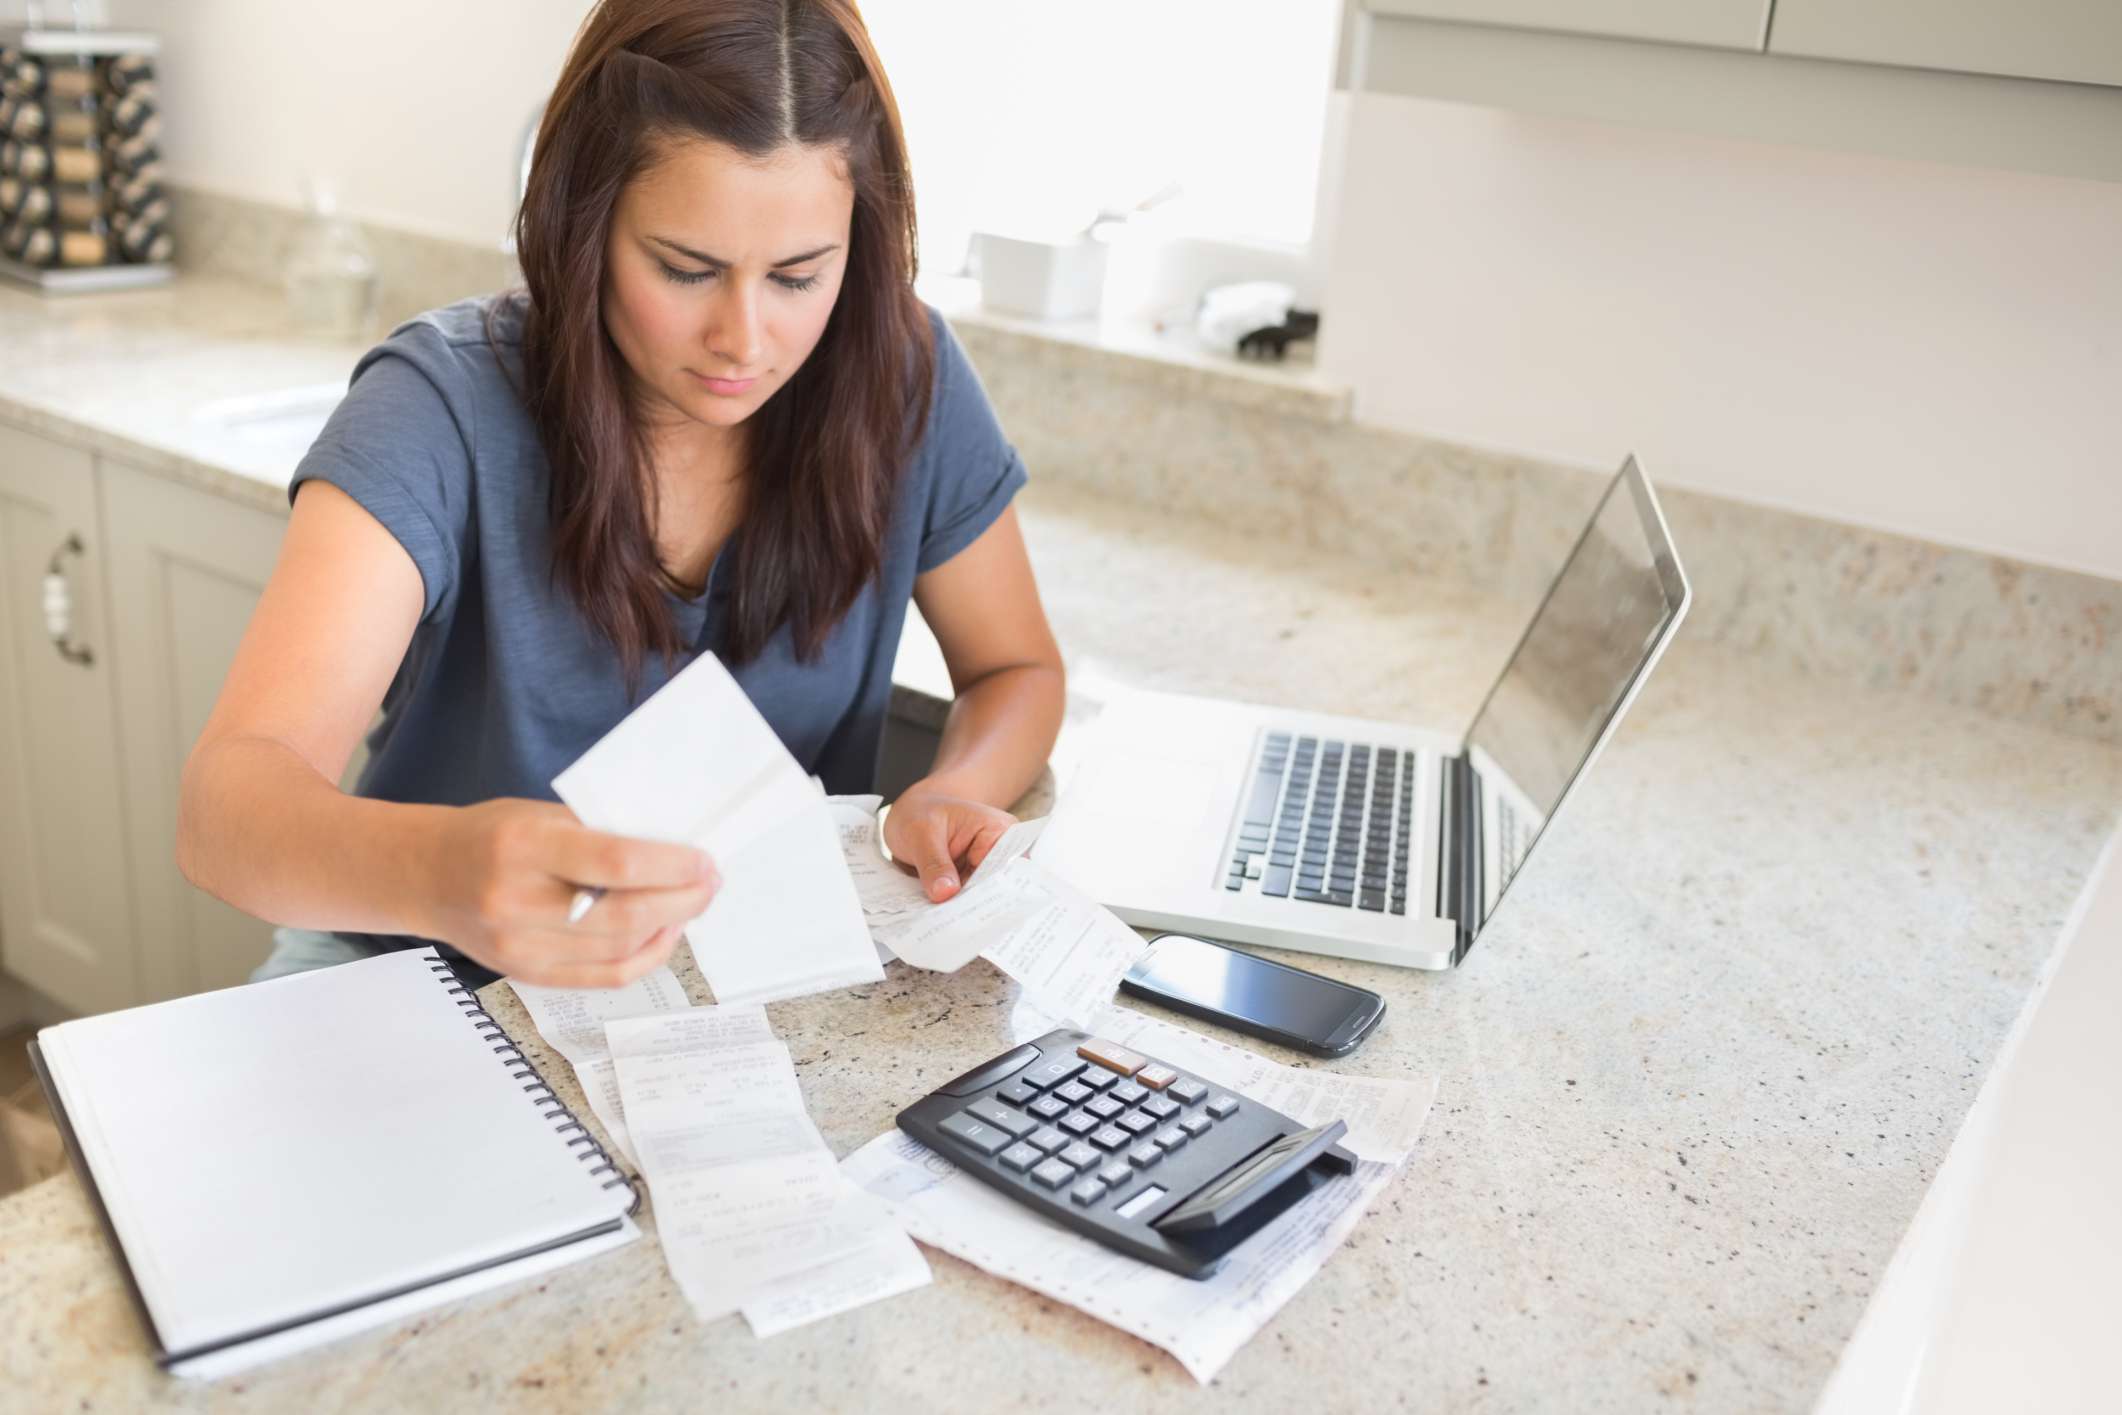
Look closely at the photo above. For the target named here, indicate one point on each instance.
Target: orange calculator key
(1156, 1077)
(1112, 1056)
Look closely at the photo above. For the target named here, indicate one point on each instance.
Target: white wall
(1927, 349)
(414, 110)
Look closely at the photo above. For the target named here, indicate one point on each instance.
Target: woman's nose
(736, 336)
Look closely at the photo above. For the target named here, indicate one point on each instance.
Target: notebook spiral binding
(549, 1105)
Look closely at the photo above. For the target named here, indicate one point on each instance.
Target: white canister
(1044, 279)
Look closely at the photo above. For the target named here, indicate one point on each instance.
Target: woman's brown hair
(824, 453)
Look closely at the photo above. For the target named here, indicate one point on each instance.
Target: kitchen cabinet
(2077, 41)
(185, 567)
(66, 924)
(1725, 24)
(2033, 87)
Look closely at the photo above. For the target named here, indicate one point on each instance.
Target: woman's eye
(792, 283)
(694, 277)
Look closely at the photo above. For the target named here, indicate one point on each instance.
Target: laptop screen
(1617, 597)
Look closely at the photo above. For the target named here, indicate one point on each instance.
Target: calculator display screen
(1240, 985)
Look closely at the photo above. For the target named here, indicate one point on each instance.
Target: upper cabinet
(2031, 85)
(2076, 41)
(1725, 24)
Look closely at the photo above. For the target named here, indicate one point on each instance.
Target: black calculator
(1141, 1156)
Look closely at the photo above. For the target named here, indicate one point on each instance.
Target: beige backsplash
(1986, 632)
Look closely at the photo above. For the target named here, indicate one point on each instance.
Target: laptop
(1364, 839)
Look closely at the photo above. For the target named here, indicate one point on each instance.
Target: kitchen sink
(285, 420)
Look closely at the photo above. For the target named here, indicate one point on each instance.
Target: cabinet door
(66, 924)
(2079, 41)
(186, 568)
(1726, 24)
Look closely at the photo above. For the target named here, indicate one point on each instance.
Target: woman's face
(720, 275)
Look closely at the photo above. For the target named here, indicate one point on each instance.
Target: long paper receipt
(1067, 951)
(752, 1212)
(572, 1022)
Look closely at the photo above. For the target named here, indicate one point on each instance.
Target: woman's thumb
(939, 877)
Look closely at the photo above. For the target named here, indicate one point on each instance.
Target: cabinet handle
(59, 605)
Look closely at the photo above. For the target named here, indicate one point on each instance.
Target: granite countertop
(1696, 1076)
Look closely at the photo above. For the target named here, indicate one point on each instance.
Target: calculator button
(1019, 1157)
(1075, 1092)
(1046, 1139)
(1047, 1108)
(1079, 1156)
(1112, 1056)
(1196, 1125)
(1017, 1093)
(1171, 1137)
(1223, 1107)
(1079, 1123)
(1128, 1092)
(1156, 1076)
(1136, 1123)
(1105, 1107)
(1186, 1092)
(1053, 1174)
(1097, 1078)
(1145, 1154)
(1111, 1139)
(1157, 1106)
(1001, 1116)
(1117, 1172)
(975, 1134)
(1051, 1073)
(1089, 1192)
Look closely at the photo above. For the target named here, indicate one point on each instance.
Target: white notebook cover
(287, 1153)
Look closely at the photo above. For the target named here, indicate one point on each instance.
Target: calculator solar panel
(1141, 1156)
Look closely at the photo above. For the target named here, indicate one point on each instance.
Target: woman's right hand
(504, 873)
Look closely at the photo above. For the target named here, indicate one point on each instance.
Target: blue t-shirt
(505, 681)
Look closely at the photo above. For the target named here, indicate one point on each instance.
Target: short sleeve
(973, 469)
(400, 444)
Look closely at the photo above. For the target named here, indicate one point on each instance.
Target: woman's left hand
(942, 837)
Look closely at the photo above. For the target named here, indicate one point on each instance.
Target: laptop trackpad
(1133, 824)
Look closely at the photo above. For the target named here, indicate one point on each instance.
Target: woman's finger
(932, 856)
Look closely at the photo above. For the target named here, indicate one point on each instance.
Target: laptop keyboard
(1327, 822)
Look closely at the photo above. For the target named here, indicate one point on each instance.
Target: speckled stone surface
(1695, 1077)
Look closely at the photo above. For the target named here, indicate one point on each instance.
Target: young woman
(715, 418)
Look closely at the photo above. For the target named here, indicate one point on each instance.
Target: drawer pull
(59, 605)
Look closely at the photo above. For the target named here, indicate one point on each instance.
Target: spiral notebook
(285, 1163)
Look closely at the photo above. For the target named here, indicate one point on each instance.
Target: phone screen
(1240, 985)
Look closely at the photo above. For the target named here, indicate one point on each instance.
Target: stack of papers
(1202, 1323)
(697, 764)
(1068, 952)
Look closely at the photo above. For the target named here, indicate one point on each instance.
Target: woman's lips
(724, 386)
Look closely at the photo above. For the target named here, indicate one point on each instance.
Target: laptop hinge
(1459, 895)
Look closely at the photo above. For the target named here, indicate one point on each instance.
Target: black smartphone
(1252, 995)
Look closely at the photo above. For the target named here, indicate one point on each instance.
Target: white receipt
(572, 1022)
(884, 889)
(1384, 1116)
(749, 1204)
(1203, 1323)
(787, 920)
(697, 764)
(1066, 951)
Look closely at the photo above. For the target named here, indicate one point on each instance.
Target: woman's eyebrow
(704, 258)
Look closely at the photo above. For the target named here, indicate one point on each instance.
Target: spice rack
(81, 200)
